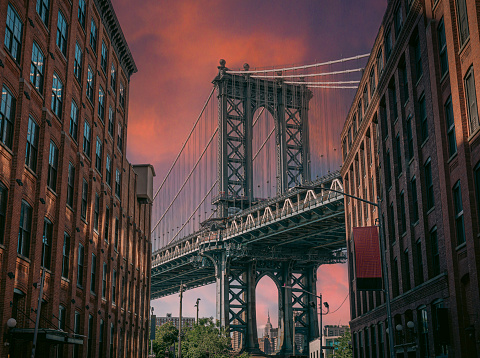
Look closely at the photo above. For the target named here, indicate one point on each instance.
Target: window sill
(403, 235)
(11, 57)
(84, 220)
(452, 157)
(30, 170)
(461, 246)
(6, 148)
(65, 279)
(465, 44)
(411, 161)
(70, 208)
(24, 258)
(52, 191)
(406, 102)
(424, 143)
(444, 76)
(79, 286)
(415, 223)
(474, 134)
(40, 94)
(93, 293)
(430, 210)
(418, 80)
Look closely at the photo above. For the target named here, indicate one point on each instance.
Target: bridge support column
(312, 314)
(285, 312)
(251, 344)
(222, 289)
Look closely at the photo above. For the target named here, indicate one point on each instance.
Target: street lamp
(182, 286)
(152, 325)
(198, 306)
(386, 288)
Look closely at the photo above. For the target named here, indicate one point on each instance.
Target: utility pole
(179, 355)
(39, 307)
(198, 306)
(321, 327)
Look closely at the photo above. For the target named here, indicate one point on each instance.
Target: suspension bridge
(239, 201)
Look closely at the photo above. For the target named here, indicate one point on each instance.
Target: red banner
(368, 264)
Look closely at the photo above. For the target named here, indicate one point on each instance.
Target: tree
(165, 337)
(205, 340)
(343, 348)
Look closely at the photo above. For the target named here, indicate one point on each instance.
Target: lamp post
(151, 340)
(198, 306)
(39, 307)
(179, 355)
(386, 289)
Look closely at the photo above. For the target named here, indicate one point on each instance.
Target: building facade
(412, 138)
(70, 202)
(330, 339)
(186, 321)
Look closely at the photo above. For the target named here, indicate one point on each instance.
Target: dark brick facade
(120, 303)
(422, 122)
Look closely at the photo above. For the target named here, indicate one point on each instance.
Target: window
(47, 243)
(413, 185)
(100, 338)
(395, 281)
(98, 156)
(23, 247)
(3, 211)
(440, 317)
(113, 79)
(393, 101)
(471, 101)
(112, 332)
(66, 255)
(410, 138)
(119, 137)
(419, 263)
(379, 63)
(435, 252)
(442, 46)
(404, 74)
(62, 29)
(107, 224)
(451, 139)
(32, 145)
(117, 183)
(70, 184)
(458, 209)
(74, 121)
(398, 148)
(114, 285)
(57, 95)
(13, 33)
(388, 44)
(398, 21)
(76, 330)
(93, 273)
(96, 212)
(110, 121)
(36, 67)
(372, 82)
(90, 83)
(103, 58)
(93, 36)
(101, 104)
(429, 184)
(391, 223)
(122, 95)
(476, 175)
(104, 280)
(42, 10)
(81, 13)
(403, 221)
(86, 139)
(388, 173)
(423, 332)
(463, 31)
(62, 313)
(7, 115)
(423, 119)
(117, 227)
(90, 337)
(406, 272)
(83, 209)
(52, 167)
(77, 62)
(108, 171)
(418, 58)
(80, 264)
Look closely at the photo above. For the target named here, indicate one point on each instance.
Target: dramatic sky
(177, 44)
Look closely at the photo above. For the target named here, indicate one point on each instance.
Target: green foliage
(165, 337)
(343, 348)
(205, 340)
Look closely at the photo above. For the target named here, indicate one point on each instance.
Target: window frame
(13, 36)
(57, 95)
(47, 241)
(25, 229)
(31, 147)
(7, 117)
(52, 166)
(66, 255)
(70, 185)
(80, 264)
(37, 68)
(62, 33)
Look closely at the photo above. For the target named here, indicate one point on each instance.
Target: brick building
(69, 199)
(186, 321)
(412, 138)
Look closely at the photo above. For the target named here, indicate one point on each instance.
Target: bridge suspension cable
(194, 211)
(311, 74)
(304, 66)
(184, 144)
(321, 83)
(186, 180)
